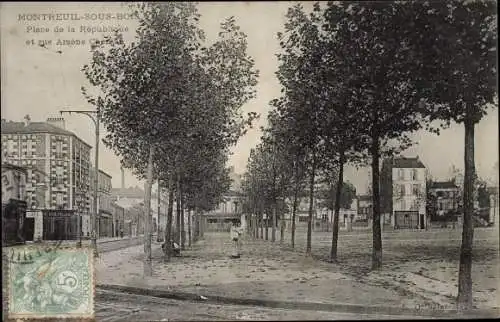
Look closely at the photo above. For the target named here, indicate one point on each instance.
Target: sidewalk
(264, 275)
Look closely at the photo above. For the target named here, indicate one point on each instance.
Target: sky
(41, 82)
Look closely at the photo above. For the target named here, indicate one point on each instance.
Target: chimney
(123, 177)
(27, 120)
(57, 121)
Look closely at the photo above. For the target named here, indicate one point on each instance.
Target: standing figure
(235, 237)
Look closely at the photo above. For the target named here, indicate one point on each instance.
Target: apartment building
(403, 192)
(58, 174)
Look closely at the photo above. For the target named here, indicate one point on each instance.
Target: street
(111, 245)
(113, 306)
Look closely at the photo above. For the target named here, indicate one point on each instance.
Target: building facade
(132, 200)
(58, 173)
(403, 192)
(105, 226)
(119, 228)
(365, 207)
(229, 210)
(445, 199)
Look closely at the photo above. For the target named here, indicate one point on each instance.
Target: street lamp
(94, 116)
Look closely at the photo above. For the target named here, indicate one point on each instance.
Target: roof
(12, 127)
(105, 173)
(402, 162)
(114, 204)
(443, 185)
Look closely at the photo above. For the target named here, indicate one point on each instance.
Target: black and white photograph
(250, 160)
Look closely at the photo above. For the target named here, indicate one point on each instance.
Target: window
(29, 146)
(414, 174)
(40, 146)
(401, 174)
(60, 199)
(416, 190)
(402, 190)
(59, 175)
(21, 181)
(59, 150)
(10, 147)
(403, 204)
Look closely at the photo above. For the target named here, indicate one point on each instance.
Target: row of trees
(171, 105)
(357, 79)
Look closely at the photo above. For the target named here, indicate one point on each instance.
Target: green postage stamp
(48, 282)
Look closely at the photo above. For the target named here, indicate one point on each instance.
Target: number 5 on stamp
(55, 284)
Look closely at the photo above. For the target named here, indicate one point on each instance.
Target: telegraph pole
(94, 116)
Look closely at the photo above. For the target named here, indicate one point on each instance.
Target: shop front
(105, 225)
(60, 224)
(13, 222)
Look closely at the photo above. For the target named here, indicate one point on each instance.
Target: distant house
(365, 207)
(403, 192)
(446, 197)
(494, 205)
(230, 209)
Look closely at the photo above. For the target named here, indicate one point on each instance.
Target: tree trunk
(465, 270)
(261, 220)
(266, 225)
(183, 226)
(148, 269)
(338, 194)
(201, 221)
(189, 228)
(257, 226)
(311, 205)
(178, 212)
(248, 220)
(273, 229)
(158, 227)
(168, 228)
(295, 203)
(254, 225)
(377, 233)
(282, 228)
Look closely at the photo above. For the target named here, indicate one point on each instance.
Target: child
(235, 237)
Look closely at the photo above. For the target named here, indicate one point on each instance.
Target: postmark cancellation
(50, 283)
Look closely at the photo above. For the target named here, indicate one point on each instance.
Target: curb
(311, 306)
(117, 240)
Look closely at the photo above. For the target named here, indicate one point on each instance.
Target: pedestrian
(236, 240)
(121, 232)
(176, 248)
